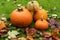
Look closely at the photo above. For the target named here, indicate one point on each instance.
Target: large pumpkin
(21, 17)
(40, 12)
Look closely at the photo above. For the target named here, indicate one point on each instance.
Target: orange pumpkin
(41, 24)
(21, 17)
(2, 25)
(40, 12)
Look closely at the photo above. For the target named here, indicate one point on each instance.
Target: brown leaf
(45, 39)
(46, 34)
(30, 38)
(30, 31)
(56, 38)
(55, 31)
(22, 38)
(13, 39)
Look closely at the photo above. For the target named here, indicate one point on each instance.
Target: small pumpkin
(40, 12)
(41, 24)
(21, 17)
(33, 5)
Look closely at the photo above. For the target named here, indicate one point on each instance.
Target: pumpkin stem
(31, 1)
(41, 17)
(20, 9)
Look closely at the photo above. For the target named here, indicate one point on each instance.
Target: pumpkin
(2, 25)
(41, 24)
(40, 12)
(33, 5)
(21, 17)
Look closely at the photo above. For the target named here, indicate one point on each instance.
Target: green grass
(8, 7)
